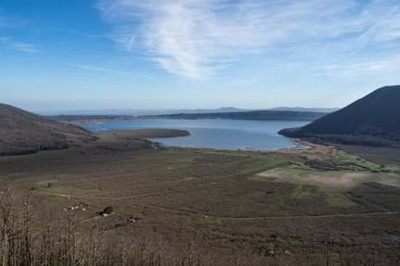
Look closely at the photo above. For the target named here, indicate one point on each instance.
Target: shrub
(108, 210)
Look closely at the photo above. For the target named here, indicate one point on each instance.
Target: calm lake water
(216, 133)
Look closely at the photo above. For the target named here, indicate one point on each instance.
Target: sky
(58, 55)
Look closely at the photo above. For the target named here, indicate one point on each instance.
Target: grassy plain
(306, 207)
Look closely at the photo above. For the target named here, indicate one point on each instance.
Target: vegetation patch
(338, 199)
(353, 162)
(304, 191)
(44, 184)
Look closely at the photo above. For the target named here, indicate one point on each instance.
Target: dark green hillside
(377, 115)
(22, 132)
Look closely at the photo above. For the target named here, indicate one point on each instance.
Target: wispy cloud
(17, 45)
(385, 27)
(105, 70)
(374, 67)
(195, 38)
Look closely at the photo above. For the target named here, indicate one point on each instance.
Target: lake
(215, 133)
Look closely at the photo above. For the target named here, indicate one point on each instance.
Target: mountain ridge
(22, 132)
(375, 116)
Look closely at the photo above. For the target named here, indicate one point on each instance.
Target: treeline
(31, 150)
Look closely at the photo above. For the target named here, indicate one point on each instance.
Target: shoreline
(150, 134)
(299, 147)
(143, 133)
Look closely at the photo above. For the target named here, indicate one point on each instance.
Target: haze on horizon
(157, 54)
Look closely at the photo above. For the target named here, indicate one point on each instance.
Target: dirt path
(306, 216)
(11, 175)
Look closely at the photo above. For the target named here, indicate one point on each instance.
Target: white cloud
(19, 46)
(24, 47)
(195, 38)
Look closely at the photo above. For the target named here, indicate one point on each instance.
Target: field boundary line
(306, 216)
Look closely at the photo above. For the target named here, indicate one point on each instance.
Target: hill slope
(374, 118)
(22, 132)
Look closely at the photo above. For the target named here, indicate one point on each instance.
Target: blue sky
(132, 54)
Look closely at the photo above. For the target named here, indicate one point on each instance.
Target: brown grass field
(173, 206)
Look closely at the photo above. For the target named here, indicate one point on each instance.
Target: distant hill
(22, 132)
(136, 112)
(304, 109)
(249, 115)
(81, 119)
(374, 120)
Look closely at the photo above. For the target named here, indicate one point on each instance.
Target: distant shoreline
(260, 115)
(143, 133)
